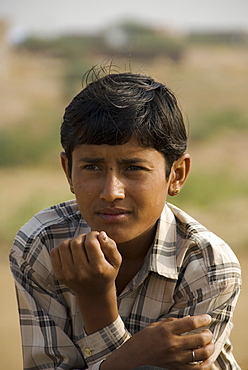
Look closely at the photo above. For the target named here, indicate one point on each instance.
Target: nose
(113, 188)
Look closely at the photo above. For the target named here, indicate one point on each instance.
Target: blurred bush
(210, 78)
(218, 122)
(31, 142)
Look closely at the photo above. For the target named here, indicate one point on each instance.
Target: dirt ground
(10, 343)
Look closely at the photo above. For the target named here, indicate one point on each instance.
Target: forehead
(131, 149)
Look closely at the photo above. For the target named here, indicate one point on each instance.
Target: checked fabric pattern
(187, 271)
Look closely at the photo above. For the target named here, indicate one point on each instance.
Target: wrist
(99, 312)
(98, 300)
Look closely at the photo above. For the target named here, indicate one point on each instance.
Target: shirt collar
(163, 251)
(161, 257)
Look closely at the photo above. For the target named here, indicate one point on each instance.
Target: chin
(117, 237)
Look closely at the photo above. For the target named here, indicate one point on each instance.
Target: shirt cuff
(99, 345)
(96, 366)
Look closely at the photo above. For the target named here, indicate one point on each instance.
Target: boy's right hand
(162, 344)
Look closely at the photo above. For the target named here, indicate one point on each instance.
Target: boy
(116, 277)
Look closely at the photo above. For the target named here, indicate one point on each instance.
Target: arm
(89, 265)
(45, 324)
(209, 282)
(162, 344)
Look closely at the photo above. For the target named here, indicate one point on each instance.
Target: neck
(136, 249)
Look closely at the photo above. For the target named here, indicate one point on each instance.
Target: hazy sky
(49, 16)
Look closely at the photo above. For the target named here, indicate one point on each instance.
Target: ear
(179, 173)
(66, 168)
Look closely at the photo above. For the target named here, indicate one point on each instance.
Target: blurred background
(198, 49)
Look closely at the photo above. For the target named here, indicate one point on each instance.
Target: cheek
(85, 197)
(152, 197)
(159, 196)
(156, 205)
(82, 187)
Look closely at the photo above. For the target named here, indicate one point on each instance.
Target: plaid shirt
(187, 271)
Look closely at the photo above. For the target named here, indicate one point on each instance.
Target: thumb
(109, 249)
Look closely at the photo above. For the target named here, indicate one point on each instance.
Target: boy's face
(120, 189)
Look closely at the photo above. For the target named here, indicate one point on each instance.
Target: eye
(135, 168)
(91, 167)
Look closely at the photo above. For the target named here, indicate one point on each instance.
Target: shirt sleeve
(48, 339)
(219, 304)
(96, 366)
(45, 324)
(99, 345)
(210, 283)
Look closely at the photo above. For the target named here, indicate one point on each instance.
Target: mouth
(113, 214)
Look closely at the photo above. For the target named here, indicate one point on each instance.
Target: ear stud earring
(72, 189)
(176, 192)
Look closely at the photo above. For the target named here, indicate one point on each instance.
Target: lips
(113, 214)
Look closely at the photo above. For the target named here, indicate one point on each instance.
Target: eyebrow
(132, 160)
(91, 159)
(121, 161)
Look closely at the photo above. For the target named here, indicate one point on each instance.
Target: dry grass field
(207, 80)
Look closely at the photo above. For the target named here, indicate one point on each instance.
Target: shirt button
(87, 352)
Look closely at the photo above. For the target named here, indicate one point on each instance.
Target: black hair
(113, 108)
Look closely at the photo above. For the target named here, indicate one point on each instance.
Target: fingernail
(104, 236)
(209, 317)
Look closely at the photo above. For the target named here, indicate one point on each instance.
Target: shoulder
(201, 248)
(55, 216)
(61, 213)
(52, 224)
(190, 229)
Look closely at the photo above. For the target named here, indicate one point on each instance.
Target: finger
(189, 323)
(200, 357)
(201, 365)
(93, 249)
(109, 249)
(61, 259)
(195, 341)
(65, 255)
(56, 262)
(203, 353)
(78, 252)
